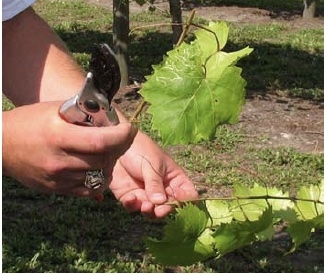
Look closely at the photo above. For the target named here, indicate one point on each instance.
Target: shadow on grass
(272, 257)
(83, 41)
(144, 51)
(269, 66)
(42, 233)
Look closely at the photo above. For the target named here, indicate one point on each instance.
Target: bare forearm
(36, 64)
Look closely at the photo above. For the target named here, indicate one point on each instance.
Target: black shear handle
(89, 107)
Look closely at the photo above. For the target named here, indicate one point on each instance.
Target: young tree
(309, 9)
(121, 31)
(176, 18)
(120, 37)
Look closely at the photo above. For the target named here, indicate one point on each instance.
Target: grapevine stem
(138, 110)
(263, 197)
(153, 25)
(243, 212)
(186, 29)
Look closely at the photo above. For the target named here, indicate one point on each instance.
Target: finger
(65, 180)
(79, 189)
(122, 183)
(72, 180)
(147, 210)
(162, 211)
(131, 198)
(92, 140)
(86, 161)
(130, 203)
(181, 194)
(184, 190)
(153, 182)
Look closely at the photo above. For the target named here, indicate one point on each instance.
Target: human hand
(44, 152)
(145, 177)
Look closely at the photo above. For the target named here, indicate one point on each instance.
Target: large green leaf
(231, 236)
(215, 227)
(186, 238)
(213, 40)
(195, 90)
(300, 231)
(219, 212)
(308, 209)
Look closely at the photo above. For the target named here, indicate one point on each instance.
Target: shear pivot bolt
(92, 106)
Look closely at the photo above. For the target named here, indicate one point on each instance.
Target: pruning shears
(91, 106)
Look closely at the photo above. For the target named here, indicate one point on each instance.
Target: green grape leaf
(288, 215)
(319, 221)
(222, 60)
(237, 234)
(253, 201)
(215, 227)
(300, 231)
(307, 209)
(212, 54)
(267, 233)
(188, 224)
(248, 208)
(219, 212)
(194, 91)
(214, 40)
(186, 239)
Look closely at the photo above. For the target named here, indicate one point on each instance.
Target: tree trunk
(176, 17)
(120, 37)
(309, 9)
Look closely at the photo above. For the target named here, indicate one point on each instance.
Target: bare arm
(36, 64)
(40, 149)
(43, 151)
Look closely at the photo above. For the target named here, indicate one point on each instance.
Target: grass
(290, 61)
(283, 167)
(48, 233)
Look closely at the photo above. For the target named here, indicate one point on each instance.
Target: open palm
(145, 177)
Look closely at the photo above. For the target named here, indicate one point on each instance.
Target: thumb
(90, 140)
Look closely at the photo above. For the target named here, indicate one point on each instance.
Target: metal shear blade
(91, 106)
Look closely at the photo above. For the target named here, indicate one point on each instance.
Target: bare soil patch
(283, 122)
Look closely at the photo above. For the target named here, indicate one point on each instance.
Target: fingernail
(158, 198)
